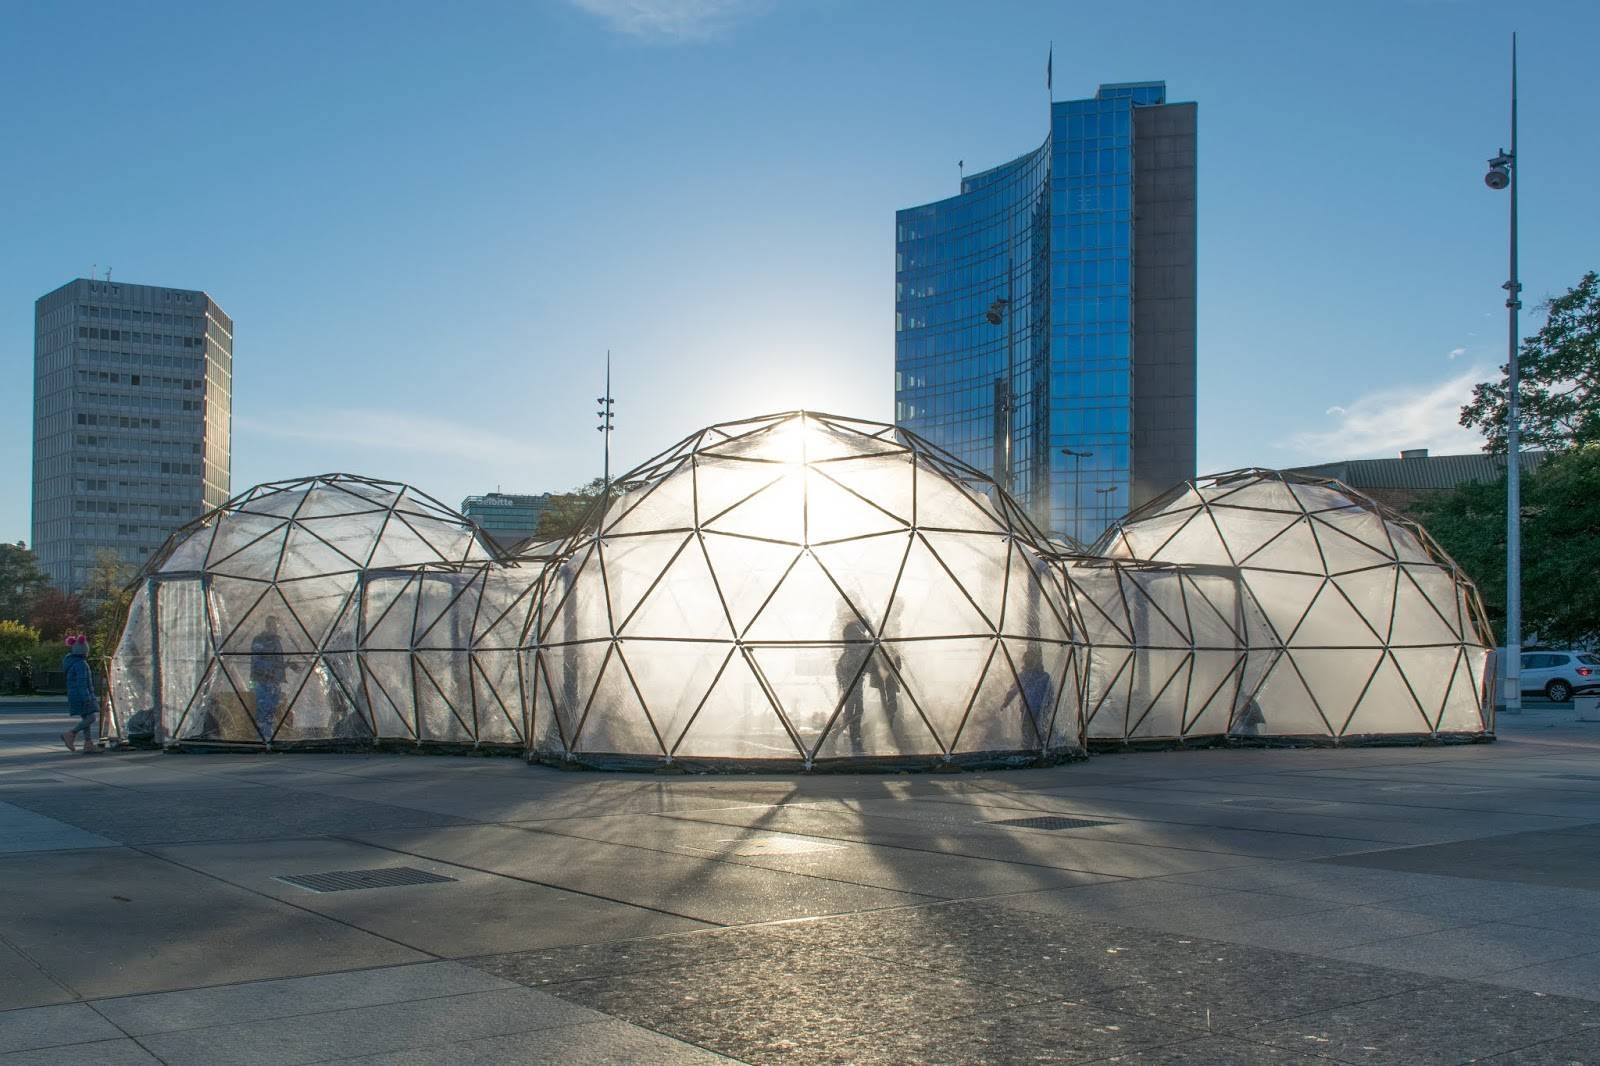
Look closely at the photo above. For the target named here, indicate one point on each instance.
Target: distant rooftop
(1417, 471)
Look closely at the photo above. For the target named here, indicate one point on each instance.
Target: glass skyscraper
(132, 420)
(1045, 316)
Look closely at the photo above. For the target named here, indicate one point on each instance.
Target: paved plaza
(1387, 905)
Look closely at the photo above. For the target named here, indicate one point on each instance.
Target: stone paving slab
(693, 887)
(901, 869)
(366, 1030)
(1556, 857)
(1216, 1051)
(1186, 908)
(1577, 977)
(24, 984)
(1446, 1023)
(23, 830)
(1051, 1032)
(760, 1009)
(463, 916)
(1060, 849)
(255, 813)
(120, 1052)
(1576, 1049)
(42, 1027)
(1395, 825)
(171, 928)
(263, 1000)
(1473, 950)
(608, 1043)
(1323, 929)
(1334, 883)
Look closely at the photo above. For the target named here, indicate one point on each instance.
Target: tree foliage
(105, 600)
(16, 641)
(55, 614)
(1560, 544)
(567, 510)
(1559, 390)
(21, 582)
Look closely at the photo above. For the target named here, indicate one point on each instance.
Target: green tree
(18, 643)
(1560, 544)
(1559, 391)
(105, 600)
(567, 510)
(21, 581)
(16, 640)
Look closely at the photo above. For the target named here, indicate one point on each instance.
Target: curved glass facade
(1015, 320)
(972, 323)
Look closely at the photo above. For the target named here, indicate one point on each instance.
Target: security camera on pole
(1503, 174)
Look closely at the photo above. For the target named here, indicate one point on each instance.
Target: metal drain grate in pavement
(349, 880)
(1049, 821)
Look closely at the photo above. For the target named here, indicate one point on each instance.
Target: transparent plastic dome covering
(1374, 628)
(803, 588)
(245, 627)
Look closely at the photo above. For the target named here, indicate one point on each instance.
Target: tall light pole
(1003, 309)
(1077, 489)
(604, 414)
(1504, 172)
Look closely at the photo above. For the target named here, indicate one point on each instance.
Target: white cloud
(671, 20)
(391, 431)
(1383, 423)
(1457, 353)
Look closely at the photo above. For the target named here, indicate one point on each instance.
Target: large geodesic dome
(1356, 624)
(804, 589)
(331, 608)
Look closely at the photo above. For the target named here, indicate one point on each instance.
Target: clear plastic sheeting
(250, 626)
(805, 589)
(1175, 652)
(1355, 623)
(802, 591)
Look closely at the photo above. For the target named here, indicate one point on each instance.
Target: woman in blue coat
(80, 693)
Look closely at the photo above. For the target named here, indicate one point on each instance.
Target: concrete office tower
(132, 420)
(1049, 309)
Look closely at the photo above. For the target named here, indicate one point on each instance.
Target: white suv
(1557, 675)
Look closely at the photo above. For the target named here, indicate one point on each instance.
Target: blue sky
(430, 221)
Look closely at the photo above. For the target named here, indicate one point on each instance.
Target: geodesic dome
(804, 589)
(246, 627)
(1173, 651)
(1370, 628)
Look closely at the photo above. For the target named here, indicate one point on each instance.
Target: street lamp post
(1077, 489)
(1105, 506)
(1505, 172)
(1003, 310)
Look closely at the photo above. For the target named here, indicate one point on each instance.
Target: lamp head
(1499, 176)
